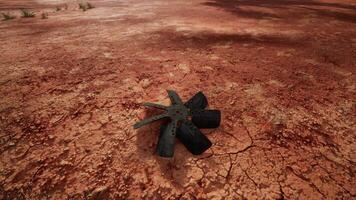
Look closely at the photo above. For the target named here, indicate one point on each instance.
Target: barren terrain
(281, 71)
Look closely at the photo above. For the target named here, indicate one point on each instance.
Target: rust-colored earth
(281, 71)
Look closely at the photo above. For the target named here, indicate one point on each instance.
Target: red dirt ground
(281, 71)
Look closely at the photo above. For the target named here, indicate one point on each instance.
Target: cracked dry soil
(282, 72)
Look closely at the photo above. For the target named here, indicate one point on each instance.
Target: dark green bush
(27, 14)
(7, 16)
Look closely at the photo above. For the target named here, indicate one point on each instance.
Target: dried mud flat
(282, 72)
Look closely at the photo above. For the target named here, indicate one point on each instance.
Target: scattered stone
(65, 163)
(216, 195)
(99, 193)
(195, 174)
(214, 57)
(184, 67)
(208, 68)
(108, 55)
(11, 144)
(67, 140)
(145, 83)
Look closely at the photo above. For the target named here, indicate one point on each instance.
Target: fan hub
(177, 112)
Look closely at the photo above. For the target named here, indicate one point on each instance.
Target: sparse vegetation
(65, 6)
(58, 9)
(44, 15)
(86, 6)
(7, 16)
(82, 6)
(90, 6)
(27, 14)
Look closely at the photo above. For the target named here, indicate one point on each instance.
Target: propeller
(185, 121)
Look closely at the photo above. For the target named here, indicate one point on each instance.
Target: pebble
(184, 67)
(67, 140)
(99, 193)
(145, 83)
(65, 163)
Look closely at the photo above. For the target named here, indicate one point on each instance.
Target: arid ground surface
(281, 71)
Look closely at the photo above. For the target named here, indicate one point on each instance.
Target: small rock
(145, 83)
(65, 163)
(99, 193)
(184, 67)
(285, 135)
(214, 57)
(67, 140)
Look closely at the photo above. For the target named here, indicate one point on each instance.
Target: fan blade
(206, 118)
(197, 102)
(194, 140)
(154, 105)
(149, 120)
(175, 99)
(165, 146)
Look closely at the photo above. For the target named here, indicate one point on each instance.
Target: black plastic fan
(185, 119)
